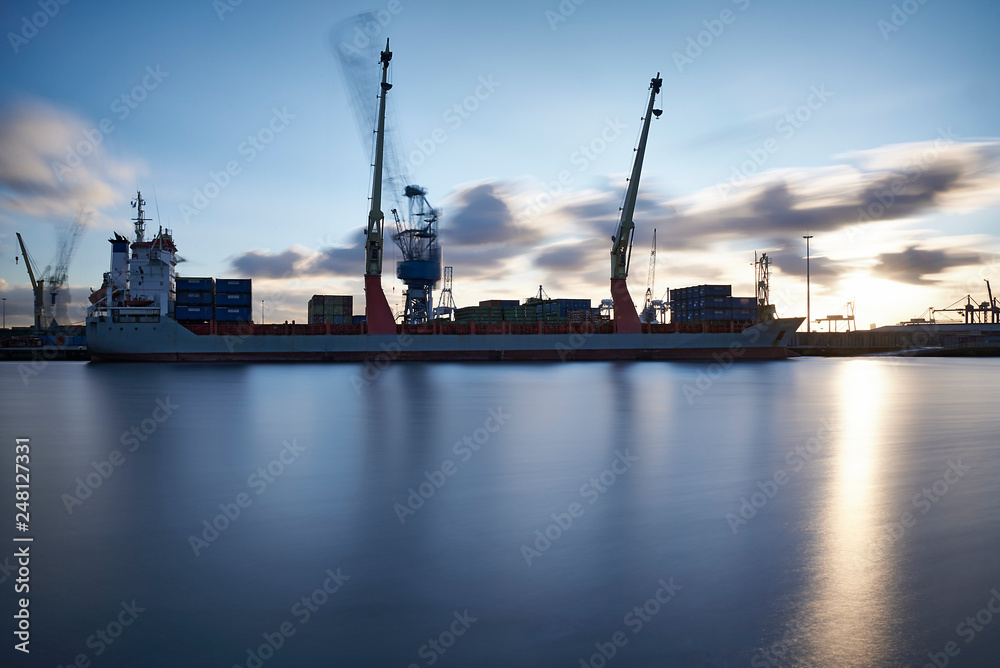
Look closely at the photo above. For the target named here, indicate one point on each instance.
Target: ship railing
(128, 314)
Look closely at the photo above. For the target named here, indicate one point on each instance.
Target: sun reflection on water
(849, 610)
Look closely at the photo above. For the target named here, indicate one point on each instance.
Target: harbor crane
(626, 319)
(648, 308)
(446, 301)
(37, 285)
(416, 223)
(378, 314)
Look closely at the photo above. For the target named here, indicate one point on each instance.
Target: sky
(872, 126)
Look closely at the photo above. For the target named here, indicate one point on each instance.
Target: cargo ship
(144, 312)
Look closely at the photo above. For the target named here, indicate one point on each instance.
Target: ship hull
(168, 341)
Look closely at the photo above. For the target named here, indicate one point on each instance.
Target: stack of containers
(710, 303)
(744, 308)
(495, 311)
(331, 309)
(233, 299)
(568, 305)
(194, 300)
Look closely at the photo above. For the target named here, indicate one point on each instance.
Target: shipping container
(331, 305)
(744, 302)
(188, 298)
(194, 284)
(232, 313)
(193, 312)
(232, 299)
(716, 302)
(233, 285)
(358, 320)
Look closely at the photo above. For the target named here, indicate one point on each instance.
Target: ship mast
(378, 314)
(626, 318)
(140, 219)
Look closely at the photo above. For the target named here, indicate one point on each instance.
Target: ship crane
(626, 318)
(37, 286)
(378, 314)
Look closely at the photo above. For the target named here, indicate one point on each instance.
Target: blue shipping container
(232, 313)
(188, 298)
(232, 299)
(193, 312)
(716, 302)
(358, 320)
(194, 284)
(232, 285)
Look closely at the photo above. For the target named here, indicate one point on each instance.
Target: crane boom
(626, 319)
(37, 286)
(27, 263)
(378, 314)
(376, 219)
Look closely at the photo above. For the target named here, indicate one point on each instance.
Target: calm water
(803, 513)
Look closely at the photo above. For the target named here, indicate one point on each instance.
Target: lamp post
(5, 313)
(262, 311)
(807, 237)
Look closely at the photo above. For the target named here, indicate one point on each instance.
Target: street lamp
(5, 313)
(807, 237)
(262, 311)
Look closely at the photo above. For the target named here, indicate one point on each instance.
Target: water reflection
(849, 610)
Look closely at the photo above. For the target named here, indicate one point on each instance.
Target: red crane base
(626, 318)
(377, 312)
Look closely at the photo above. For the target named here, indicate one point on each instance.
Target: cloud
(482, 216)
(913, 264)
(301, 262)
(50, 168)
(889, 183)
(261, 264)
